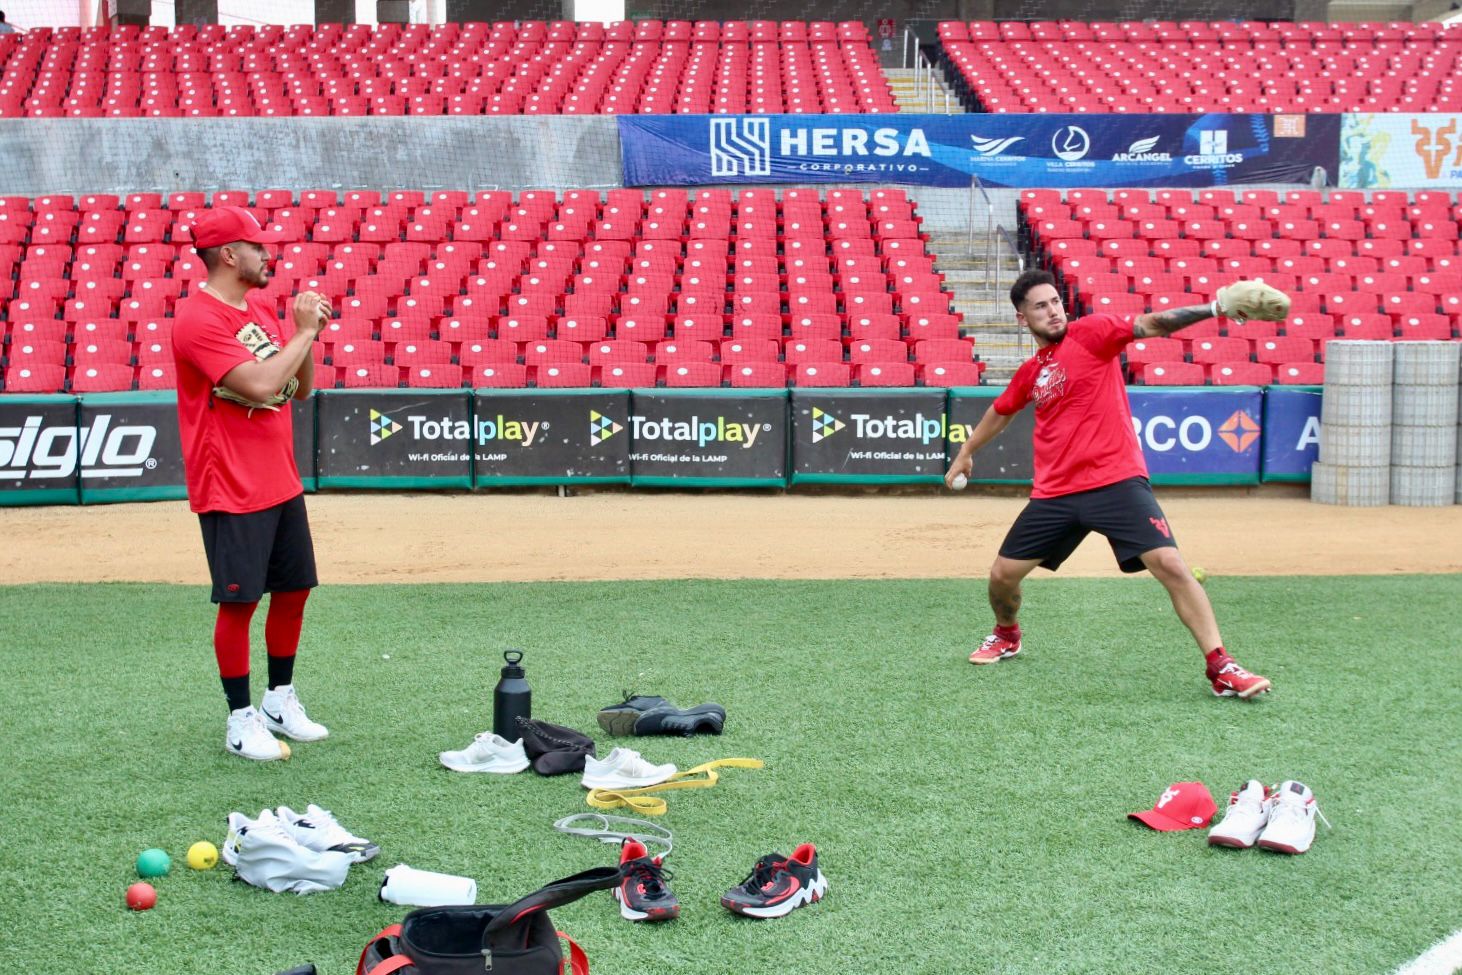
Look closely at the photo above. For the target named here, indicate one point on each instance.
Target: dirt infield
(370, 538)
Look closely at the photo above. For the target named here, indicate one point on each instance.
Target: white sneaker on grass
(488, 753)
(247, 736)
(283, 713)
(623, 768)
(1291, 827)
(1248, 813)
(238, 825)
(317, 829)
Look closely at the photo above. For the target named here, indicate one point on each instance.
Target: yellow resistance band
(701, 777)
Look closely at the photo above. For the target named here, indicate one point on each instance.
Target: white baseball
(960, 482)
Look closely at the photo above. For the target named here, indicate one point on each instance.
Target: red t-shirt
(1084, 437)
(235, 459)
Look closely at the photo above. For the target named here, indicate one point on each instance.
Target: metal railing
(925, 80)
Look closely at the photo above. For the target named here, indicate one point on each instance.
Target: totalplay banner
(1021, 150)
(551, 436)
(390, 438)
(709, 437)
(869, 436)
(1199, 435)
(1010, 457)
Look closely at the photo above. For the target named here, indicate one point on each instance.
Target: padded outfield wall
(98, 448)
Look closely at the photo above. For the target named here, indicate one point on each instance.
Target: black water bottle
(512, 700)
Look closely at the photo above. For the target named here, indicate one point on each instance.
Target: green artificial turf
(968, 819)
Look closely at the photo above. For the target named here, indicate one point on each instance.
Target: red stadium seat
(1173, 374)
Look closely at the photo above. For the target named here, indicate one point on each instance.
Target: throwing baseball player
(237, 376)
(1090, 475)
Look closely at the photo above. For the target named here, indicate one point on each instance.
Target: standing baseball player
(1090, 475)
(237, 376)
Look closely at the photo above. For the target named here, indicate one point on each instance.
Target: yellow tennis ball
(284, 750)
(1201, 575)
(202, 855)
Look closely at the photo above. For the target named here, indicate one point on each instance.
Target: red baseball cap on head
(224, 225)
(1182, 805)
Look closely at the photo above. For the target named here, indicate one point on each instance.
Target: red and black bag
(475, 939)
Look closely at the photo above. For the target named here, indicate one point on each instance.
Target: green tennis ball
(153, 863)
(1201, 575)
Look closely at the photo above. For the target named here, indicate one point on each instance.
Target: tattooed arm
(1156, 323)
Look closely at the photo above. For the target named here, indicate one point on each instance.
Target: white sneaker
(316, 829)
(1248, 813)
(238, 825)
(248, 737)
(488, 753)
(267, 855)
(623, 768)
(283, 713)
(1291, 826)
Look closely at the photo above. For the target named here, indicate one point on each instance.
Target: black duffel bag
(475, 939)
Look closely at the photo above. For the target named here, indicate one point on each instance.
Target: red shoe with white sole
(1231, 680)
(778, 885)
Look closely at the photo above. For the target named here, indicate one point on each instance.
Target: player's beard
(258, 278)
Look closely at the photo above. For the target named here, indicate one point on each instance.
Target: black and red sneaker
(642, 894)
(778, 885)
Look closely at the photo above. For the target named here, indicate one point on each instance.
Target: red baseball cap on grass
(224, 225)
(1182, 805)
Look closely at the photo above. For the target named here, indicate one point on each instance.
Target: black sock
(236, 689)
(281, 671)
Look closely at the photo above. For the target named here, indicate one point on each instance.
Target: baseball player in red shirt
(1090, 475)
(238, 372)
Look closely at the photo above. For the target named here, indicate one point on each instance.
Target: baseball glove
(1244, 300)
(272, 403)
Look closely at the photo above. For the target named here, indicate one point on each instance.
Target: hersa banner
(1020, 150)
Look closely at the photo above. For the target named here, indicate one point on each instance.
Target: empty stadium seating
(529, 67)
(448, 289)
(1384, 265)
(1190, 66)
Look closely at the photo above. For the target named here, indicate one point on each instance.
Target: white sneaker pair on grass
(1280, 819)
(280, 711)
(623, 768)
(488, 753)
(283, 850)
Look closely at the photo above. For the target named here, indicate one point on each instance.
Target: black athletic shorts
(263, 551)
(1126, 513)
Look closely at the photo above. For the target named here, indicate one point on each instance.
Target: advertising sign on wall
(1010, 457)
(868, 435)
(390, 438)
(550, 436)
(130, 447)
(40, 458)
(1022, 150)
(709, 437)
(1291, 432)
(1199, 436)
(1393, 149)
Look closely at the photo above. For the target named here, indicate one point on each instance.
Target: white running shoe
(316, 829)
(1248, 813)
(247, 736)
(283, 713)
(267, 855)
(1291, 826)
(623, 768)
(488, 753)
(238, 825)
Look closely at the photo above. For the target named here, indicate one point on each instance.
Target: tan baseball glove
(1244, 300)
